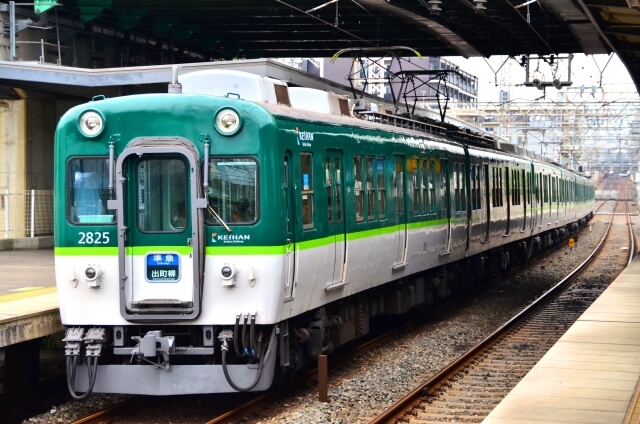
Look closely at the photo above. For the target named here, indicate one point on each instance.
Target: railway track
(469, 388)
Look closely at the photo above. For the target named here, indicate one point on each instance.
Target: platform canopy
(233, 29)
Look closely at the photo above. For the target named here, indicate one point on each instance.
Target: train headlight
(93, 275)
(91, 123)
(229, 273)
(227, 121)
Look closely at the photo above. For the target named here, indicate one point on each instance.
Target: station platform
(592, 374)
(28, 297)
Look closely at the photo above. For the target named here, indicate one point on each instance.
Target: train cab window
(382, 192)
(88, 191)
(358, 188)
(233, 190)
(306, 181)
(371, 197)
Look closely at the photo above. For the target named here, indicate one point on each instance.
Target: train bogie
(209, 238)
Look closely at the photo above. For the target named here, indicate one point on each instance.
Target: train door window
(382, 192)
(306, 180)
(497, 187)
(445, 188)
(554, 181)
(475, 187)
(545, 188)
(233, 190)
(458, 186)
(161, 195)
(333, 177)
(515, 188)
(424, 187)
(88, 188)
(432, 187)
(371, 197)
(398, 185)
(358, 187)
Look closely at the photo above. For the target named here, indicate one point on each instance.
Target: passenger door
(400, 209)
(292, 227)
(335, 216)
(445, 195)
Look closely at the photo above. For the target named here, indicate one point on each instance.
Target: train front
(156, 229)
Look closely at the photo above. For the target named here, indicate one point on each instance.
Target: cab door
(336, 221)
(159, 242)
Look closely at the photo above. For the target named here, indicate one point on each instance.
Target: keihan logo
(303, 135)
(213, 237)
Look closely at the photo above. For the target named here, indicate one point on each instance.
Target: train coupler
(153, 344)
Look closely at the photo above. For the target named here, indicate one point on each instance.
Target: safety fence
(26, 213)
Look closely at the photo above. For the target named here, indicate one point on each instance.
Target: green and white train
(214, 237)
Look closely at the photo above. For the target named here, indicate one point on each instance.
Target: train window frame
(233, 209)
(307, 190)
(76, 175)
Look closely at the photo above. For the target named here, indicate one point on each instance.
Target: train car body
(211, 239)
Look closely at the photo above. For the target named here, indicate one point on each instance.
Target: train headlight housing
(227, 121)
(229, 273)
(91, 123)
(93, 275)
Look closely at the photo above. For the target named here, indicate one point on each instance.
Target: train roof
(328, 107)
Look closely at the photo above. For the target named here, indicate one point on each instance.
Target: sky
(605, 75)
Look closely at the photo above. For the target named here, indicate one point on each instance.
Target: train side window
(371, 195)
(358, 187)
(88, 191)
(233, 190)
(306, 179)
(382, 192)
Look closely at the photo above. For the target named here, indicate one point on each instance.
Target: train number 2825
(94, 237)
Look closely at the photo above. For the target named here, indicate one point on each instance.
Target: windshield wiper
(216, 216)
